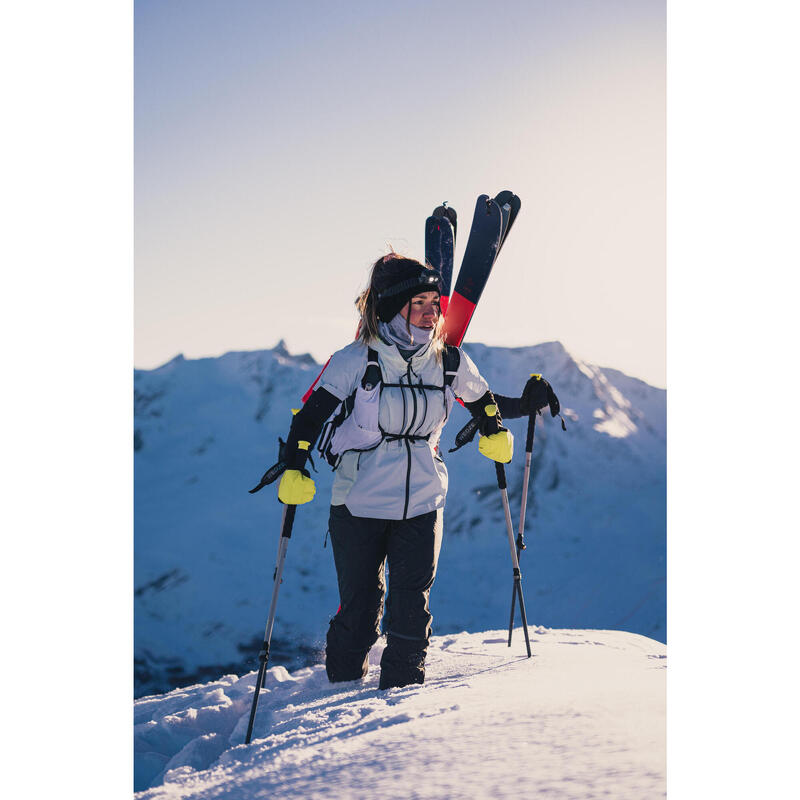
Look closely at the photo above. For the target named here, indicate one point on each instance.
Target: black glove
(289, 457)
(538, 394)
(487, 424)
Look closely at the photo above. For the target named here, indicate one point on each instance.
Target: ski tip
(444, 212)
(507, 197)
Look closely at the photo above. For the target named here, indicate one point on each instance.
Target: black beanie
(412, 278)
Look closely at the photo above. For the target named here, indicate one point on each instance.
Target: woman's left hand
(498, 446)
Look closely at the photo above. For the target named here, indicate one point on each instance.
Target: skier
(398, 380)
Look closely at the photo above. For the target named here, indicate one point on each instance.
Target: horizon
(319, 362)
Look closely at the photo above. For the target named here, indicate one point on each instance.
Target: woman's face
(423, 310)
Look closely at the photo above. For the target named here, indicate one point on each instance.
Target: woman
(400, 380)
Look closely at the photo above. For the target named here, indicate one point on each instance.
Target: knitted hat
(408, 278)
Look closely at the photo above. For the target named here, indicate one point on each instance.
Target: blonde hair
(381, 275)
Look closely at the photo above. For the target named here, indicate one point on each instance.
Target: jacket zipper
(408, 442)
(408, 478)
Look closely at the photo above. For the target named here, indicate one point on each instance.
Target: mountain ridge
(206, 429)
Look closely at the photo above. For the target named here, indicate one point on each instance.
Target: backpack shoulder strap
(372, 374)
(451, 361)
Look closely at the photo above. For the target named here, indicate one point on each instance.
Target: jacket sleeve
(345, 369)
(473, 389)
(509, 407)
(306, 426)
(468, 384)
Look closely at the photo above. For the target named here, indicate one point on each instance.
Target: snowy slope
(205, 549)
(584, 717)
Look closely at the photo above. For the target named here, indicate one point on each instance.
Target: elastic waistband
(393, 437)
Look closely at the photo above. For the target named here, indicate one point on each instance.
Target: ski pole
(502, 485)
(465, 435)
(520, 535)
(263, 656)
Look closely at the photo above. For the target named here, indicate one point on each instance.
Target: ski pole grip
(288, 521)
(501, 475)
(531, 431)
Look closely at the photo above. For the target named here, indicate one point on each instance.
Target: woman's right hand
(538, 394)
(296, 488)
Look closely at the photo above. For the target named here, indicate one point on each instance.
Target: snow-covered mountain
(584, 717)
(206, 429)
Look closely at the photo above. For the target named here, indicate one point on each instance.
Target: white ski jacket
(401, 477)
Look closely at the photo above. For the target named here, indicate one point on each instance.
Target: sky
(280, 148)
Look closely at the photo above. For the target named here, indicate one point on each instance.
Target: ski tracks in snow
(582, 718)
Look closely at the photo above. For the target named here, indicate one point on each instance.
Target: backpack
(355, 424)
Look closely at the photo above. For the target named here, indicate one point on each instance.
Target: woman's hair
(384, 272)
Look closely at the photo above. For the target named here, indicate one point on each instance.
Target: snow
(583, 718)
(614, 423)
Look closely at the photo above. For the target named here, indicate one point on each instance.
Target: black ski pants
(361, 547)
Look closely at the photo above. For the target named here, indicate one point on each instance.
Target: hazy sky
(281, 147)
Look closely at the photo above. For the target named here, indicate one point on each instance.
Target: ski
(445, 211)
(490, 227)
(440, 238)
(509, 200)
(505, 214)
(482, 246)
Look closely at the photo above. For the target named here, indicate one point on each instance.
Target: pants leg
(359, 551)
(413, 552)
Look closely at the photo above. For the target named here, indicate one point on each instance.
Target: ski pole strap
(270, 476)
(488, 423)
(286, 461)
(466, 434)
